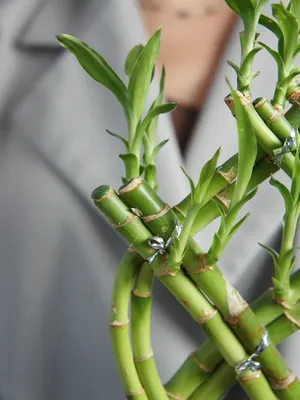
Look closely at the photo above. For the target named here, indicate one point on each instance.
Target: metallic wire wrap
(288, 145)
(249, 363)
(160, 245)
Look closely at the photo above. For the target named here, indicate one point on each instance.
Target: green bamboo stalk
(141, 304)
(119, 326)
(267, 140)
(183, 289)
(213, 283)
(293, 115)
(273, 117)
(223, 378)
(202, 362)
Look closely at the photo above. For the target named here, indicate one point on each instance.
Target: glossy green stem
(201, 363)
(223, 378)
(119, 326)
(141, 303)
(212, 282)
(293, 115)
(185, 291)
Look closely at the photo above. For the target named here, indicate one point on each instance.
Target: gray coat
(58, 254)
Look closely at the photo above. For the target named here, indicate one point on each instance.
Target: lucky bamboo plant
(242, 339)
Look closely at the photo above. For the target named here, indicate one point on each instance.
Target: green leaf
(285, 82)
(237, 226)
(277, 57)
(192, 185)
(243, 8)
(290, 28)
(247, 64)
(295, 189)
(234, 66)
(287, 258)
(159, 147)
(154, 112)
(206, 175)
(285, 193)
(152, 128)
(294, 8)
(247, 145)
(98, 69)
(131, 58)
(131, 163)
(271, 25)
(271, 251)
(234, 211)
(142, 72)
(119, 137)
(217, 246)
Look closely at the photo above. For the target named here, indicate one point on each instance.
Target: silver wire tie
(250, 364)
(160, 245)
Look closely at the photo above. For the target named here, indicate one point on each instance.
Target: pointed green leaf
(237, 226)
(285, 193)
(192, 185)
(220, 206)
(294, 8)
(292, 264)
(285, 82)
(271, 251)
(131, 58)
(159, 147)
(243, 8)
(98, 69)
(277, 57)
(234, 211)
(142, 72)
(247, 64)
(206, 175)
(247, 145)
(234, 66)
(154, 112)
(119, 137)
(152, 128)
(289, 27)
(271, 25)
(286, 258)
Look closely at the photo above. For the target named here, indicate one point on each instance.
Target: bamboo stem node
(175, 396)
(137, 293)
(282, 384)
(132, 394)
(292, 319)
(229, 175)
(132, 185)
(129, 219)
(254, 375)
(208, 316)
(202, 366)
(204, 266)
(278, 111)
(141, 359)
(152, 217)
(118, 324)
(235, 319)
(281, 302)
